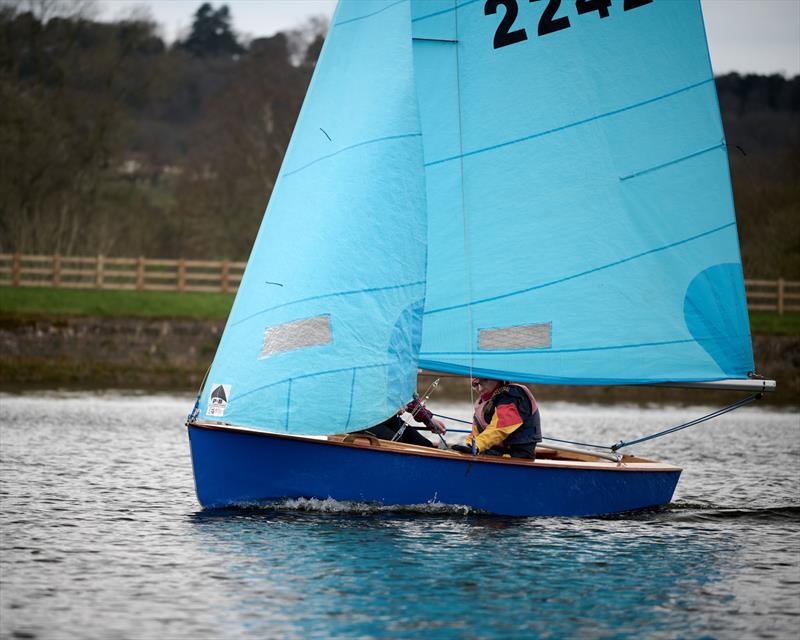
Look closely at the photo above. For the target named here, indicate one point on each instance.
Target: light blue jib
(553, 209)
(325, 331)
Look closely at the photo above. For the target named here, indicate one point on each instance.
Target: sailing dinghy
(530, 191)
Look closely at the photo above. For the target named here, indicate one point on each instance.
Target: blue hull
(233, 467)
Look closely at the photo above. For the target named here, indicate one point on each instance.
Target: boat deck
(545, 456)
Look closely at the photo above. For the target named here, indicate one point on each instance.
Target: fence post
(225, 279)
(98, 274)
(780, 296)
(181, 274)
(140, 274)
(56, 270)
(16, 267)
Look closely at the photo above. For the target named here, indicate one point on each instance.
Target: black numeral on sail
(504, 36)
(587, 6)
(548, 23)
(633, 4)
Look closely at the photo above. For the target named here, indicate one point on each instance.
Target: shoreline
(40, 353)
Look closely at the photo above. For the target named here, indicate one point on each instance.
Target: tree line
(114, 142)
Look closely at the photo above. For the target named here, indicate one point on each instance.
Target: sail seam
(447, 367)
(328, 295)
(443, 11)
(663, 343)
(570, 125)
(575, 350)
(310, 375)
(675, 161)
(583, 273)
(349, 148)
(369, 15)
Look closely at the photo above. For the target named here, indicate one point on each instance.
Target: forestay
(581, 226)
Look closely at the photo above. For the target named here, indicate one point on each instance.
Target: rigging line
(464, 219)
(588, 271)
(715, 414)
(195, 412)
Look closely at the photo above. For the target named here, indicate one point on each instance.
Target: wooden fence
(101, 272)
(141, 274)
(773, 295)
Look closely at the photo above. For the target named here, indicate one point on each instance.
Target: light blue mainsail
(581, 226)
(324, 334)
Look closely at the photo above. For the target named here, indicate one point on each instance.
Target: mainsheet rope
(619, 445)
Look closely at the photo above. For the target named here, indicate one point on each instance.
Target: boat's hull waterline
(238, 467)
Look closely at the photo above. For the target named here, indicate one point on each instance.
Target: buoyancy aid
(529, 431)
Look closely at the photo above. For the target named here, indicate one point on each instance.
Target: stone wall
(106, 352)
(173, 355)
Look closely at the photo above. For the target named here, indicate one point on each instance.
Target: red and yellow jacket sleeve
(505, 421)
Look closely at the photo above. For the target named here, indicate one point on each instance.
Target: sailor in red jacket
(506, 420)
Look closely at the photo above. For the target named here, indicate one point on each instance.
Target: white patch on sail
(526, 336)
(298, 334)
(218, 399)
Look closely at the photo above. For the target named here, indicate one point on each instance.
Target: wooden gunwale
(627, 463)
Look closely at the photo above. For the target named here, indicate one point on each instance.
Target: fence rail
(144, 274)
(138, 274)
(773, 295)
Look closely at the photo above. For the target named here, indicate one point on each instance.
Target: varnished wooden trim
(628, 463)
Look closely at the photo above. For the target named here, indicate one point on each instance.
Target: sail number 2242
(549, 22)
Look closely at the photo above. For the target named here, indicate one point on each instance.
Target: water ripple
(102, 537)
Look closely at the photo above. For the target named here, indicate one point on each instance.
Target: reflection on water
(391, 574)
(102, 537)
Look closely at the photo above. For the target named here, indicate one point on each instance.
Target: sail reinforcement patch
(298, 334)
(525, 336)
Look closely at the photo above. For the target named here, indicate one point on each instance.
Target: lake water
(102, 537)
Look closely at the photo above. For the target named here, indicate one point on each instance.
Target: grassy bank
(24, 301)
(39, 301)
